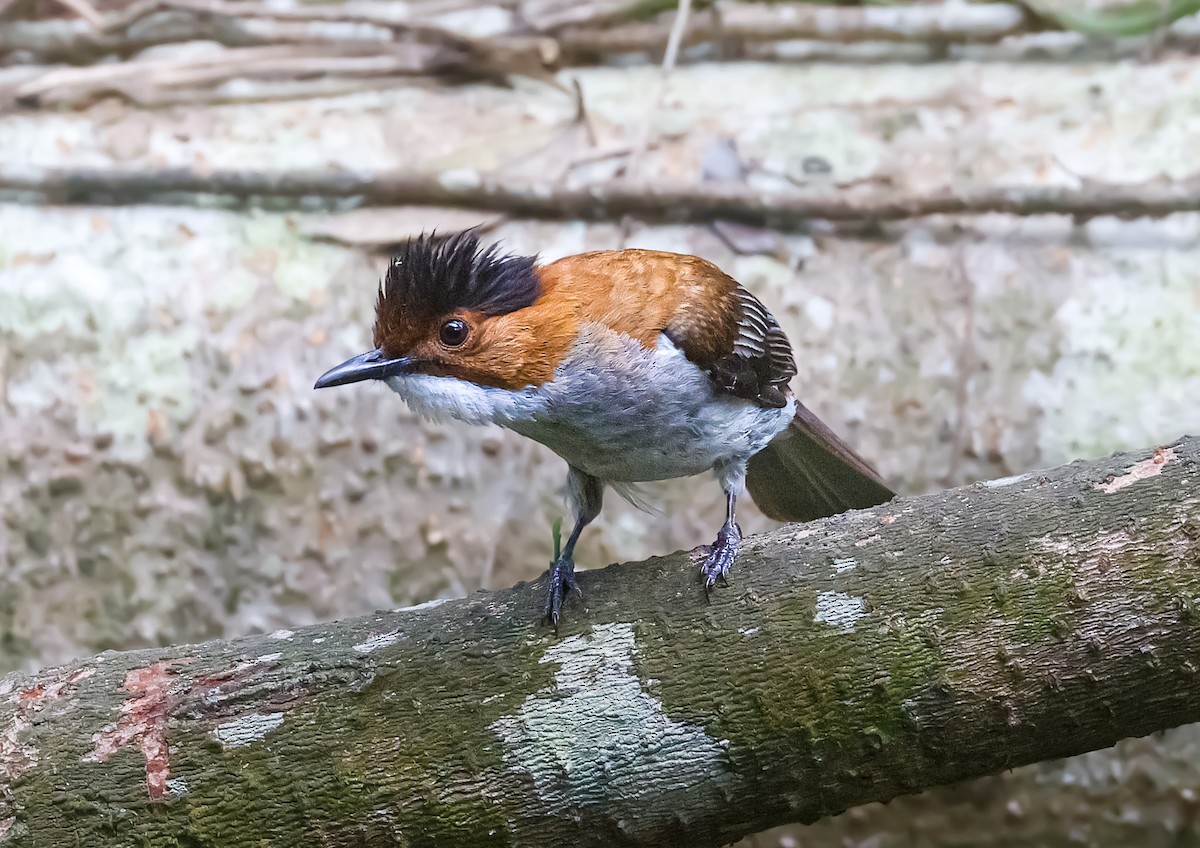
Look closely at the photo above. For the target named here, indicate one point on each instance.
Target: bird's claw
(719, 557)
(562, 581)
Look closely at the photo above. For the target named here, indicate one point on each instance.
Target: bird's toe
(562, 581)
(720, 557)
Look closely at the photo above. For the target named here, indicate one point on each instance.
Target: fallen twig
(754, 22)
(85, 10)
(555, 35)
(152, 81)
(642, 140)
(609, 201)
(148, 23)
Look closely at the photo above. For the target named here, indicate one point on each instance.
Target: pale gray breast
(624, 413)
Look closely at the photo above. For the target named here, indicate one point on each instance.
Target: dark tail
(807, 472)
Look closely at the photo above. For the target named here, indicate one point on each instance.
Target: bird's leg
(586, 494)
(721, 553)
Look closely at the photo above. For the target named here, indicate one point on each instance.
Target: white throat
(445, 398)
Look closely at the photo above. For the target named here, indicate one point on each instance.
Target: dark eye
(454, 332)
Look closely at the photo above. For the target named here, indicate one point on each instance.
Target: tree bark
(854, 659)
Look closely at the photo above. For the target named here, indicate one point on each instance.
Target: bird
(631, 365)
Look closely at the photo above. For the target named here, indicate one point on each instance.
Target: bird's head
(445, 309)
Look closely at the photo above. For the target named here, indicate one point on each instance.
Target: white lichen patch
(374, 643)
(747, 631)
(844, 564)
(269, 658)
(839, 610)
(282, 635)
(436, 602)
(595, 737)
(177, 786)
(1151, 467)
(1001, 482)
(245, 730)
(862, 543)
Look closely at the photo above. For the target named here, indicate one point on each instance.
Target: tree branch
(852, 660)
(763, 22)
(577, 35)
(683, 203)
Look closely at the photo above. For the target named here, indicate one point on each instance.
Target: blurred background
(197, 198)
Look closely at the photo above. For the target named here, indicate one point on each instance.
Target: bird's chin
(449, 398)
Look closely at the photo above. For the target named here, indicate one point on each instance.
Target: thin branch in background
(641, 142)
(599, 156)
(155, 81)
(594, 157)
(760, 28)
(85, 10)
(670, 55)
(609, 201)
(13, 8)
(581, 112)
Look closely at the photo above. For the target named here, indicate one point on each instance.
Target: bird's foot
(719, 557)
(562, 581)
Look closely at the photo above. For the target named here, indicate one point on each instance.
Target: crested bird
(631, 365)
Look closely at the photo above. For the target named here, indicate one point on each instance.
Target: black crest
(431, 277)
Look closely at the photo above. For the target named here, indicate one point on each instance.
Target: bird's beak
(372, 365)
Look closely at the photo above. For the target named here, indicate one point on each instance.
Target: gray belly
(634, 415)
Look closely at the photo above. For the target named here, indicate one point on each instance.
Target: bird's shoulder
(714, 321)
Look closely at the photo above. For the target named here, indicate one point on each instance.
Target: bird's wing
(807, 472)
(718, 325)
(727, 331)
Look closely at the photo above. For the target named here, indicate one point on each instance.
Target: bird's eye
(454, 332)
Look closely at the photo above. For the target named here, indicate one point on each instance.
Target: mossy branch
(854, 659)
